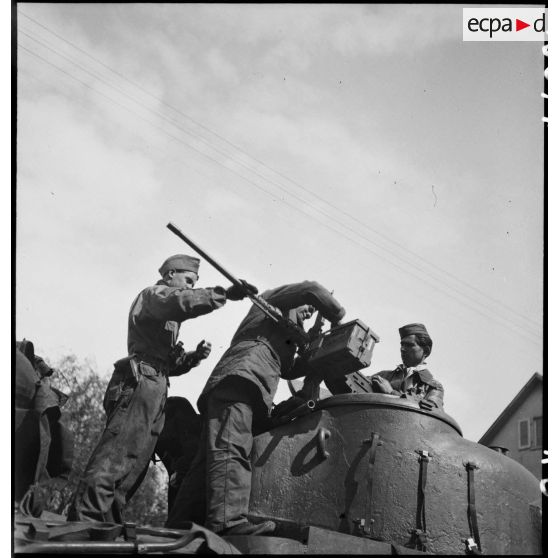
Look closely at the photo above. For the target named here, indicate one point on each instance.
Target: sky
(366, 147)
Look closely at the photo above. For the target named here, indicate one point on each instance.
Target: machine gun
(327, 355)
(335, 357)
(299, 336)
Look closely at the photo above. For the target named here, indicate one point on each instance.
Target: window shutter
(538, 432)
(523, 434)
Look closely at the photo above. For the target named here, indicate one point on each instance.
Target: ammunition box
(342, 349)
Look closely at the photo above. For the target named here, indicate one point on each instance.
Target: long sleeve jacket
(156, 313)
(420, 384)
(261, 350)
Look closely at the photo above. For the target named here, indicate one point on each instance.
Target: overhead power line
(228, 155)
(252, 170)
(423, 260)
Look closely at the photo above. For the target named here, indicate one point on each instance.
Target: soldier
(412, 378)
(234, 403)
(44, 447)
(135, 397)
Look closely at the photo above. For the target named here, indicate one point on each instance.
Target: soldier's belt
(146, 362)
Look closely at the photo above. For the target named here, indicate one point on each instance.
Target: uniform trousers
(216, 489)
(119, 463)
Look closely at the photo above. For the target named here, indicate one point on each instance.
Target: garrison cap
(180, 261)
(413, 329)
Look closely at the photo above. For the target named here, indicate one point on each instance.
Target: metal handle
(323, 435)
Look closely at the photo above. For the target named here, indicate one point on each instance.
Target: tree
(84, 415)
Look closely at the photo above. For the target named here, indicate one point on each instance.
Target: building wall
(508, 434)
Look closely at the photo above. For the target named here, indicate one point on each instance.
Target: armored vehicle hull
(360, 474)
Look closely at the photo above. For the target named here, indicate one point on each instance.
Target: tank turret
(381, 468)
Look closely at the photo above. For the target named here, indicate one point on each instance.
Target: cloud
(75, 153)
(400, 30)
(284, 38)
(295, 33)
(221, 69)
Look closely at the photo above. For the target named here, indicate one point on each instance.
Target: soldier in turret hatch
(135, 397)
(412, 378)
(237, 397)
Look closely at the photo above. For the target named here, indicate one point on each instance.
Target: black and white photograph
(280, 278)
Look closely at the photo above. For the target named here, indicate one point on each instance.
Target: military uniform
(412, 378)
(135, 397)
(237, 397)
(416, 382)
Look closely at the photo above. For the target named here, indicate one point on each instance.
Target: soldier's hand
(252, 289)
(425, 404)
(203, 349)
(237, 292)
(381, 385)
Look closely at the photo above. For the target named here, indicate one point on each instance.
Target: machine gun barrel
(204, 255)
(301, 337)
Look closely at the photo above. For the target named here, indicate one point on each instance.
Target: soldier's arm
(306, 292)
(381, 382)
(434, 396)
(434, 393)
(190, 359)
(181, 303)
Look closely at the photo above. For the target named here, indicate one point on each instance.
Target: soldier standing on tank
(236, 399)
(412, 378)
(135, 397)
